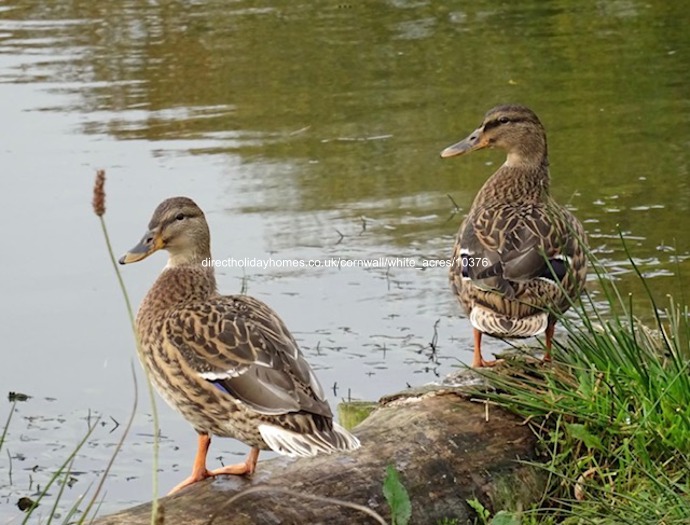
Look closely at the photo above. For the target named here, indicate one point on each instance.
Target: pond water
(308, 131)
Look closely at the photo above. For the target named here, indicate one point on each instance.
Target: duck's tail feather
(498, 325)
(294, 444)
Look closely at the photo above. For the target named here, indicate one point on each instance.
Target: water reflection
(311, 130)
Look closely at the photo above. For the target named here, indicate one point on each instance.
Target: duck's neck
(180, 284)
(530, 152)
(517, 181)
(527, 160)
(189, 257)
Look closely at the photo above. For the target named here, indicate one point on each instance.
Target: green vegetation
(484, 516)
(397, 497)
(612, 413)
(84, 508)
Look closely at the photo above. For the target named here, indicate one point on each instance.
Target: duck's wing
(243, 348)
(505, 244)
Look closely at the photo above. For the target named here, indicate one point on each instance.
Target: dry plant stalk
(579, 489)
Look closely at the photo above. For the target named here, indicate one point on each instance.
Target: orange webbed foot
(245, 468)
(194, 478)
(483, 363)
(200, 473)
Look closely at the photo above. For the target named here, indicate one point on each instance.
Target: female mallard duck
(519, 258)
(226, 362)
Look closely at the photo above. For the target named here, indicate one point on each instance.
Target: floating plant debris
(26, 504)
(17, 396)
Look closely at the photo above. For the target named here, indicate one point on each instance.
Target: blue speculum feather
(220, 386)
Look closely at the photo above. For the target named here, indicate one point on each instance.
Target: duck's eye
(504, 120)
(179, 216)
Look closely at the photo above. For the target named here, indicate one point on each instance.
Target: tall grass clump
(612, 412)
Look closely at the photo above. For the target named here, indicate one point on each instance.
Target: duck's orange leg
(477, 359)
(550, 329)
(200, 473)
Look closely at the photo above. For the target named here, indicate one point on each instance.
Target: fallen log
(442, 443)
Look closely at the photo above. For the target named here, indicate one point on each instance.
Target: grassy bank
(612, 413)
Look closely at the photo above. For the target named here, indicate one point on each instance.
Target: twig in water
(245, 282)
(456, 209)
(9, 473)
(434, 342)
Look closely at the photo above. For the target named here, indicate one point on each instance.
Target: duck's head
(178, 225)
(513, 128)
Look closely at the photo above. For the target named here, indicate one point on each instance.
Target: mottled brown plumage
(519, 258)
(227, 363)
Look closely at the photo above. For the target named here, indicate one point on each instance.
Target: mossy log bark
(441, 442)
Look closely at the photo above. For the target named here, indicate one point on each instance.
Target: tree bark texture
(441, 442)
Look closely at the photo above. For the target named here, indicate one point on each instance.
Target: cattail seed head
(99, 194)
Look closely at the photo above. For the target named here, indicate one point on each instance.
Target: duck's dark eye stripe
(492, 124)
(174, 219)
(501, 120)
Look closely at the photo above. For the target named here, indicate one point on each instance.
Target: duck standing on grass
(227, 363)
(519, 258)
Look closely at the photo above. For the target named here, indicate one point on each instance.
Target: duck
(227, 363)
(520, 259)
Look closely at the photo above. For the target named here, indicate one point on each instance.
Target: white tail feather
(499, 325)
(346, 440)
(294, 444)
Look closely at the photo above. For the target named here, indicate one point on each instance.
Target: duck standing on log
(227, 363)
(519, 259)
